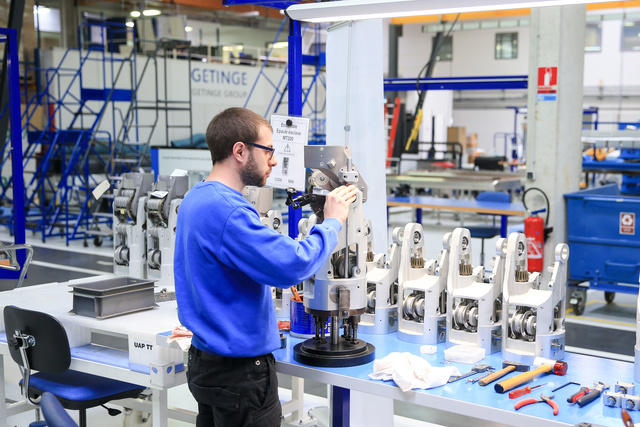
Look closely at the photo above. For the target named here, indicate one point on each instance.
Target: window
(506, 45)
(46, 18)
(631, 36)
(593, 37)
(445, 53)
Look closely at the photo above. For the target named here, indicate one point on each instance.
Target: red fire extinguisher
(534, 231)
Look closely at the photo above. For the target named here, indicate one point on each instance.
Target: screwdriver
(523, 391)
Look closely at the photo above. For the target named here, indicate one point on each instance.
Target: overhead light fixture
(129, 24)
(135, 14)
(280, 45)
(248, 14)
(188, 29)
(151, 12)
(351, 10)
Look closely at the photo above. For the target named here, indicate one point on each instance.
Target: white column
(554, 159)
(355, 110)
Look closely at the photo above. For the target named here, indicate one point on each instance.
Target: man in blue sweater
(225, 263)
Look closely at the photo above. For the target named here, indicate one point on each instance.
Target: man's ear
(239, 152)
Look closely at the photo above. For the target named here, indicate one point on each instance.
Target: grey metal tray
(113, 297)
(112, 286)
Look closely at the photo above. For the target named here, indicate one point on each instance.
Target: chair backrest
(54, 414)
(50, 350)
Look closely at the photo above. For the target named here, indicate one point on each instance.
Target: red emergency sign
(547, 79)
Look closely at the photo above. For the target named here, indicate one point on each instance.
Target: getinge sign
(216, 83)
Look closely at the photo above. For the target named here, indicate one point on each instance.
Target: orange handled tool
(296, 295)
(522, 391)
(543, 398)
(557, 367)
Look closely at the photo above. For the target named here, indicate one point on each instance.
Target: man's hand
(337, 202)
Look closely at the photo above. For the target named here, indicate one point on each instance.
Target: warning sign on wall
(547, 83)
(627, 223)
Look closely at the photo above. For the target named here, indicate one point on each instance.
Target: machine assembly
(338, 291)
(422, 289)
(533, 310)
(474, 306)
(162, 216)
(129, 225)
(381, 316)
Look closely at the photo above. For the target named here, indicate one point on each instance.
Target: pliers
(543, 398)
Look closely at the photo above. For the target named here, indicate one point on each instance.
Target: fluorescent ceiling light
(151, 12)
(129, 24)
(248, 14)
(188, 29)
(280, 45)
(135, 14)
(350, 10)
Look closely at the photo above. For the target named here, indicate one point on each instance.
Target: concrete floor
(54, 261)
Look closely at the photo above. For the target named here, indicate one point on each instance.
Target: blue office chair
(54, 414)
(488, 231)
(38, 341)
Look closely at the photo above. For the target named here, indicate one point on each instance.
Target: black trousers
(234, 391)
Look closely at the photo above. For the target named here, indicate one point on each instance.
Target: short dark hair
(230, 126)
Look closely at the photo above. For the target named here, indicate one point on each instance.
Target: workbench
(458, 397)
(144, 334)
(457, 179)
(473, 400)
(460, 205)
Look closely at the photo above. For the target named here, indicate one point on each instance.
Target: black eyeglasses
(271, 150)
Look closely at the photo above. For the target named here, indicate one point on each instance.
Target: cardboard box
(37, 117)
(457, 134)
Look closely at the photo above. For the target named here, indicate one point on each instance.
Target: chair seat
(78, 390)
(484, 232)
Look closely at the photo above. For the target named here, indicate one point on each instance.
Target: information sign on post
(290, 135)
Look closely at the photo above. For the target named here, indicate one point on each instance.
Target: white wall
(611, 67)
(610, 71)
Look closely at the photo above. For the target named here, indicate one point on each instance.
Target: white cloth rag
(409, 371)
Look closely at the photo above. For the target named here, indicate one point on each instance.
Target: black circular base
(322, 353)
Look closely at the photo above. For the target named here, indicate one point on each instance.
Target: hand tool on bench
(564, 385)
(557, 367)
(507, 367)
(475, 380)
(475, 370)
(593, 394)
(543, 398)
(522, 391)
(577, 395)
(626, 418)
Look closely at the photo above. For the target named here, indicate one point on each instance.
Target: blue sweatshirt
(224, 264)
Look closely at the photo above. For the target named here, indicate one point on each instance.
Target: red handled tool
(543, 398)
(593, 394)
(522, 391)
(577, 395)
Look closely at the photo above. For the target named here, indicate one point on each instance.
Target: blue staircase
(66, 157)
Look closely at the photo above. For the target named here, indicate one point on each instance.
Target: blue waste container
(604, 238)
